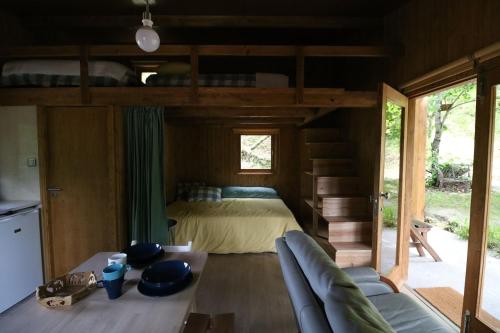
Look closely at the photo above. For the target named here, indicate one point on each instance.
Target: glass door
(482, 291)
(389, 184)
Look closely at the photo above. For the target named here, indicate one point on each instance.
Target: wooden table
(132, 312)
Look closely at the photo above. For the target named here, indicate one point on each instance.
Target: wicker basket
(66, 290)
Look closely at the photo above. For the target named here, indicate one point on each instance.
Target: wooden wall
(204, 152)
(435, 33)
(360, 128)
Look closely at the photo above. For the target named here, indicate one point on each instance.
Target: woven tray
(66, 290)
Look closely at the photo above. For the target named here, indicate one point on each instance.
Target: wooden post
(300, 75)
(84, 74)
(194, 74)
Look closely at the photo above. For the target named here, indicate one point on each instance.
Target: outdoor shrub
(452, 226)
(461, 229)
(494, 238)
(448, 170)
(390, 218)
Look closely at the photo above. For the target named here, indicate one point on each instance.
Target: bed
(233, 225)
(64, 73)
(257, 80)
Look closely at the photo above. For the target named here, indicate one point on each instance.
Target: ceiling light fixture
(146, 37)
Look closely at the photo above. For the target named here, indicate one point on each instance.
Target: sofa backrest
(347, 309)
(308, 313)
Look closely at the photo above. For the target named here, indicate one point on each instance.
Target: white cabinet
(20, 256)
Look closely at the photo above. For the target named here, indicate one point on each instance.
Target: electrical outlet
(31, 161)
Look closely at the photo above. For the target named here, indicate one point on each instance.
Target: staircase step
(330, 150)
(333, 167)
(338, 185)
(349, 231)
(344, 206)
(323, 134)
(352, 254)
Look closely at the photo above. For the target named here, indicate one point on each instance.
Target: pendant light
(146, 37)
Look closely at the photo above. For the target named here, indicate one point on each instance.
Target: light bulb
(146, 37)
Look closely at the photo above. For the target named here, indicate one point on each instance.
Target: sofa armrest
(362, 274)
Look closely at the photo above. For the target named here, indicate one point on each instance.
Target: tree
(439, 107)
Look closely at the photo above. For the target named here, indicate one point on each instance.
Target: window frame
(274, 133)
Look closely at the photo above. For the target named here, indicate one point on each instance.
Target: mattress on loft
(65, 73)
(258, 80)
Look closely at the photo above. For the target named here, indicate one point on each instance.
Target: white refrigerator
(21, 269)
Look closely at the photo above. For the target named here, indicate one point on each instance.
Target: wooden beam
(319, 114)
(84, 74)
(300, 75)
(246, 112)
(194, 73)
(235, 121)
(181, 96)
(207, 21)
(131, 50)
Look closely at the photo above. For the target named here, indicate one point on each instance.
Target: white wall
(18, 142)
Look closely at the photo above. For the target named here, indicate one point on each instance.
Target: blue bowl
(165, 274)
(142, 254)
(164, 291)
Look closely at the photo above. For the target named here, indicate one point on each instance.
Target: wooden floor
(251, 286)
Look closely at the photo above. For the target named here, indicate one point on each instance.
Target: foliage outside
(256, 152)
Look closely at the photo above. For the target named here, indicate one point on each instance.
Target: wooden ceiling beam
(131, 50)
(182, 97)
(242, 112)
(235, 121)
(206, 21)
(321, 112)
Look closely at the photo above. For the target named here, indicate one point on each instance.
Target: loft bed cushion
(48, 73)
(232, 225)
(249, 192)
(258, 80)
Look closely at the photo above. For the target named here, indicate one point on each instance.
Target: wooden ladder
(340, 212)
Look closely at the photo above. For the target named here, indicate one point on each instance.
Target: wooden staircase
(340, 212)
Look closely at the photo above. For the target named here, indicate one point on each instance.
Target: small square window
(256, 150)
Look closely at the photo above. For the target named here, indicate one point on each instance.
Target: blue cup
(114, 272)
(113, 287)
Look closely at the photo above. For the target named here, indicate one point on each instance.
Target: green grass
(462, 230)
(455, 207)
(390, 217)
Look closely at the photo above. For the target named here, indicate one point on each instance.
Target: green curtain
(147, 221)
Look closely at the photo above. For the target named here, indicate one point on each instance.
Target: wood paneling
(435, 33)
(205, 153)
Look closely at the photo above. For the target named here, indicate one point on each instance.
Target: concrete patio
(424, 272)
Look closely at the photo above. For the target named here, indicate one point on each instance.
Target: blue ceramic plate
(142, 254)
(165, 274)
(165, 291)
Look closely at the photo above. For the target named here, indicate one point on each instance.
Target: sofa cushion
(349, 311)
(309, 315)
(319, 269)
(362, 274)
(407, 316)
(374, 288)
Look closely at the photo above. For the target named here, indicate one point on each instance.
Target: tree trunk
(436, 142)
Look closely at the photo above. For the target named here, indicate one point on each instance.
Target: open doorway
(440, 233)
